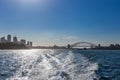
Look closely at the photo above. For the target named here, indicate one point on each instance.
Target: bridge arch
(83, 45)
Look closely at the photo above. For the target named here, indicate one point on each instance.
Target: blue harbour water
(38, 64)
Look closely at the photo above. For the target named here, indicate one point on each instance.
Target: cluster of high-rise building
(15, 40)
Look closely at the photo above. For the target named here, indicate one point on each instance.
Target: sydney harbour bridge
(82, 45)
(77, 45)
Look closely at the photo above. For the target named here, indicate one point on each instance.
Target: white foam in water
(52, 65)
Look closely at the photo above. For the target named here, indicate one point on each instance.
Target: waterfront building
(3, 39)
(23, 41)
(15, 39)
(68, 46)
(9, 38)
(30, 44)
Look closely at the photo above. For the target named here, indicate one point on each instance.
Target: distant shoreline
(26, 48)
(57, 49)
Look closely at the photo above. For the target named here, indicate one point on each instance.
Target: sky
(61, 22)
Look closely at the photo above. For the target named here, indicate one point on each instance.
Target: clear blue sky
(48, 22)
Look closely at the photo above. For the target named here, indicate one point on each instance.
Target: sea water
(38, 64)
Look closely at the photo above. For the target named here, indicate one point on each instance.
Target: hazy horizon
(61, 22)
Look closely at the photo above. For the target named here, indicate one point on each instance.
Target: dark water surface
(108, 62)
(59, 65)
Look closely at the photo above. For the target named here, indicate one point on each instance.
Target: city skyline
(61, 22)
(14, 39)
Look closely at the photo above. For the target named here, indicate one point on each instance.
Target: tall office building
(3, 39)
(31, 44)
(23, 41)
(9, 38)
(28, 43)
(15, 39)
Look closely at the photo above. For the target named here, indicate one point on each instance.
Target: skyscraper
(3, 39)
(9, 38)
(15, 39)
(31, 44)
(23, 41)
(28, 43)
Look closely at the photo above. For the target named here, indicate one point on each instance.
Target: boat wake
(46, 65)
